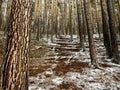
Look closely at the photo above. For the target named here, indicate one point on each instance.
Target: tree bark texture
(115, 52)
(15, 64)
(105, 25)
(90, 33)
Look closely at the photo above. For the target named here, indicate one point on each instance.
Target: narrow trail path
(66, 66)
(63, 49)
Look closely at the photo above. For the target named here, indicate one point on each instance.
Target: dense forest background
(60, 44)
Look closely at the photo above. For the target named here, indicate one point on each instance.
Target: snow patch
(57, 80)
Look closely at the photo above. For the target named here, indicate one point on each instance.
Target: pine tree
(0, 13)
(15, 64)
(114, 46)
(80, 27)
(90, 33)
(105, 25)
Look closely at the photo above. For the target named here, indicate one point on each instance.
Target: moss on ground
(37, 53)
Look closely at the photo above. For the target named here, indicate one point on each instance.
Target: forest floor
(62, 65)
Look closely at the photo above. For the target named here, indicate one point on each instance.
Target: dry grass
(37, 53)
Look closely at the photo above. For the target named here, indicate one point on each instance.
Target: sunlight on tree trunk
(15, 64)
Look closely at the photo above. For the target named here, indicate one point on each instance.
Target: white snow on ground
(34, 87)
(95, 36)
(91, 79)
(57, 80)
(88, 79)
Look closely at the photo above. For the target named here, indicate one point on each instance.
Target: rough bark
(90, 33)
(15, 64)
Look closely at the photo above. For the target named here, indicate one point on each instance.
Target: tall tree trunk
(115, 52)
(37, 17)
(56, 16)
(84, 25)
(48, 20)
(62, 18)
(97, 18)
(90, 33)
(118, 1)
(52, 21)
(15, 64)
(44, 16)
(0, 14)
(38, 29)
(80, 27)
(7, 21)
(65, 16)
(70, 22)
(105, 25)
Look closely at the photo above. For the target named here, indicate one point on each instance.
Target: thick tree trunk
(106, 33)
(90, 33)
(15, 64)
(115, 52)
